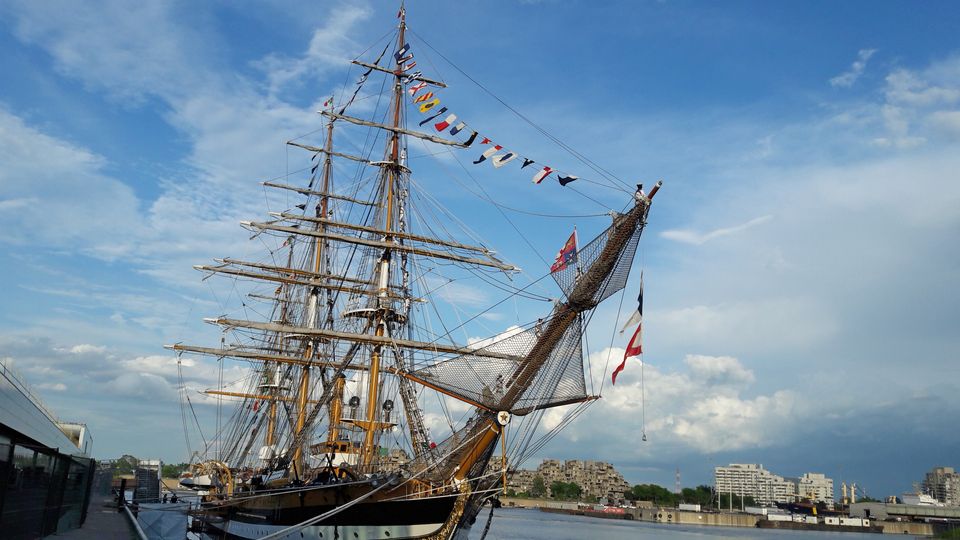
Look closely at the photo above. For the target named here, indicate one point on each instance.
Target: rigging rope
(561, 144)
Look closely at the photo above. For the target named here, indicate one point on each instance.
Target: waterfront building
(943, 484)
(599, 481)
(766, 488)
(45, 465)
(816, 487)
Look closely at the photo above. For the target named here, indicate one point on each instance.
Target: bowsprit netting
(588, 255)
(486, 380)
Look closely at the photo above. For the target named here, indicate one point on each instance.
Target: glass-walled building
(45, 465)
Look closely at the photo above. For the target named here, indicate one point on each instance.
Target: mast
(391, 178)
(313, 306)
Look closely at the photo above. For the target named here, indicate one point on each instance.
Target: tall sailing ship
(330, 439)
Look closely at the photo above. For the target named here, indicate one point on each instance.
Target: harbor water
(531, 524)
(167, 522)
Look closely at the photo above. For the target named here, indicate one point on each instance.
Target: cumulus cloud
(847, 78)
(703, 407)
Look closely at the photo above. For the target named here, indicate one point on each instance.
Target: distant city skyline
(800, 263)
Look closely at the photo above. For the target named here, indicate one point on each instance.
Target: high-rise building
(943, 484)
(766, 488)
(752, 480)
(816, 487)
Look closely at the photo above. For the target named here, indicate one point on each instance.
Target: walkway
(103, 523)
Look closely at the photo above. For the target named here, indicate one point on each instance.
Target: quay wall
(906, 527)
(684, 517)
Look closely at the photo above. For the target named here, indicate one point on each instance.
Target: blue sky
(801, 263)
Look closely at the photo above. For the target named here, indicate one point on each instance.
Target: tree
(658, 495)
(125, 465)
(565, 490)
(539, 489)
(738, 502)
(173, 471)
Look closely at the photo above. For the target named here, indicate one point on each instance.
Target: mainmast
(391, 175)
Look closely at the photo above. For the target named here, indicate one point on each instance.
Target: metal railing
(18, 382)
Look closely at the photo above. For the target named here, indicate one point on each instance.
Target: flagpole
(576, 248)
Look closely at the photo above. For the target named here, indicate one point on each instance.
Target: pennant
(409, 66)
(412, 77)
(503, 159)
(526, 162)
(473, 137)
(302, 206)
(634, 348)
(566, 255)
(637, 316)
(328, 102)
(441, 111)
(402, 52)
(363, 78)
(416, 88)
(564, 180)
(423, 97)
(485, 141)
(402, 13)
(440, 126)
(545, 172)
(456, 129)
(487, 153)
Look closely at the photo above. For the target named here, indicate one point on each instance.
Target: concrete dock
(103, 522)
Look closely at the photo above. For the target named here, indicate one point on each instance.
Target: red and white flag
(416, 88)
(440, 126)
(545, 172)
(634, 348)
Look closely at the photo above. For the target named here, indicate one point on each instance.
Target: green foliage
(173, 471)
(738, 502)
(539, 489)
(565, 490)
(702, 495)
(658, 495)
(867, 499)
(511, 492)
(125, 465)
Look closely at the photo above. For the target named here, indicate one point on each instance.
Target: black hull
(387, 519)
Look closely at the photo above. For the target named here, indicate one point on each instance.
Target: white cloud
(701, 408)
(687, 236)
(947, 122)
(85, 348)
(847, 78)
(329, 46)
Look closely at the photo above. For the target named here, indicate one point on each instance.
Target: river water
(525, 524)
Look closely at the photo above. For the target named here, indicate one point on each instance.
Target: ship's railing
(18, 382)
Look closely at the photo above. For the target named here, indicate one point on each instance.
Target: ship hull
(381, 519)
